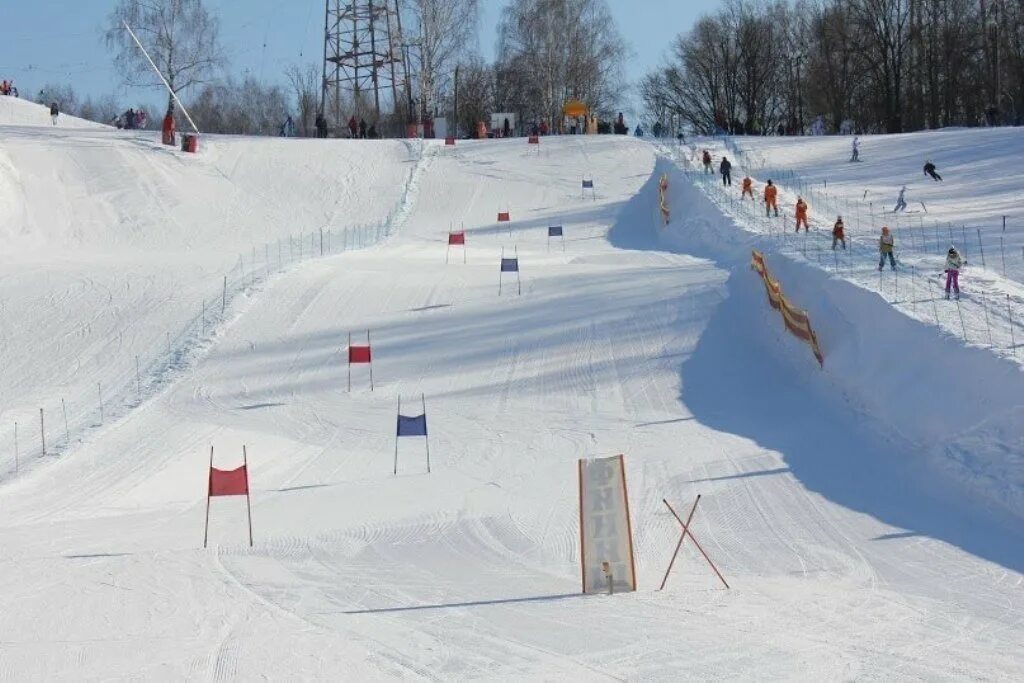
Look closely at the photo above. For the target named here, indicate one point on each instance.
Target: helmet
(952, 249)
(885, 229)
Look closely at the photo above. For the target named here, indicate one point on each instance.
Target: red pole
(248, 507)
(209, 484)
(696, 543)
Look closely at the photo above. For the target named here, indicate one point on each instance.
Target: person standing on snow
(353, 127)
(54, 112)
(838, 233)
(748, 187)
(886, 246)
(801, 214)
(707, 161)
(725, 168)
(901, 203)
(771, 195)
(362, 129)
(855, 155)
(929, 169)
(954, 262)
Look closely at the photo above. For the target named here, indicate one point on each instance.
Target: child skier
(54, 113)
(748, 187)
(929, 169)
(901, 203)
(801, 214)
(838, 233)
(855, 156)
(886, 245)
(954, 262)
(706, 159)
(725, 168)
(771, 194)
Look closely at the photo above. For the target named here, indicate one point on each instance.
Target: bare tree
(305, 84)
(181, 36)
(556, 50)
(445, 32)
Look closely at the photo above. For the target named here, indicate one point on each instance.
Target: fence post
(138, 380)
(99, 390)
(321, 241)
(16, 454)
(981, 249)
(42, 430)
(1002, 253)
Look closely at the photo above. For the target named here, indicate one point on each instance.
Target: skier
(886, 245)
(707, 161)
(54, 112)
(855, 156)
(725, 168)
(748, 187)
(321, 126)
(362, 129)
(901, 204)
(771, 194)
(353, 127)
(929, 169)
(801, 214)
(954, 262)
(838, 233)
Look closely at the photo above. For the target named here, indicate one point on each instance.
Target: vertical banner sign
(606, 534)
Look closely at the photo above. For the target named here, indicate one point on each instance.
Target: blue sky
(60, 41)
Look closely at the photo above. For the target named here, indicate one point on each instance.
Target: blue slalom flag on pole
(510, 265)
(412, 425)
(588, 184)
(555, 231)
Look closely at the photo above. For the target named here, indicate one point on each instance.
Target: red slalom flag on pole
(359, 355)
(228, 483)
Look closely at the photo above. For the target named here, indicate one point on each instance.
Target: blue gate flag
(588, 184)
(555, 231)
(415, 425)
(510, 265)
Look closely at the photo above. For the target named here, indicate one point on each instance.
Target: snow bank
(20, 112)
(954, 411)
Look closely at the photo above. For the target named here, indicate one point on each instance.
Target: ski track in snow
(470, 572)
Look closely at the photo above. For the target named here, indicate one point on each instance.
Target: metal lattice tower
(363, 55)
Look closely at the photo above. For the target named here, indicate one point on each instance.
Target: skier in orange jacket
(801, 213)
(748, 188)
(771, 194)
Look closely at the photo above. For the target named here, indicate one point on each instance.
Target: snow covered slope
(20, 112)
(846, 555)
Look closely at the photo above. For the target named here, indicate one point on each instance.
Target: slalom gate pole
(349, 350)
(248, 506)
(209, 485)
(426, 437)
(395, 472)
(368, 346)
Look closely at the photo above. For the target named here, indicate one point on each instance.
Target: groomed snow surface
(867, 515)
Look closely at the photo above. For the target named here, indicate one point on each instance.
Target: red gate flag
(359, 354)
(457, 238)
(449, 141)
(504, 217)
(229, 482)
(533, 140)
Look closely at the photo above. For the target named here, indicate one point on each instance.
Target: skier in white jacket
(954, 262)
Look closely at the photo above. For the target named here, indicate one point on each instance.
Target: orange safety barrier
(795, 319)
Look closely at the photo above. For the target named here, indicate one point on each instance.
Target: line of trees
(549, 51)
(780, 66)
